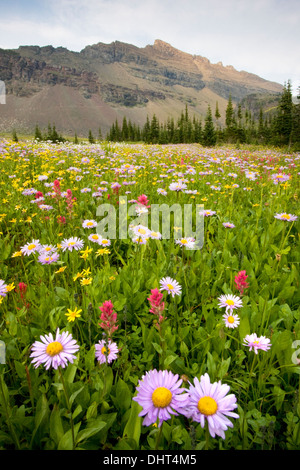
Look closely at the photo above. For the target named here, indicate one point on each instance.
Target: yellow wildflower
(61, 270)
(72, 314)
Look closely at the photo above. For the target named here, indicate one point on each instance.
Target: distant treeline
(280, 128)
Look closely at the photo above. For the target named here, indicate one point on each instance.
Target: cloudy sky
(259, 36)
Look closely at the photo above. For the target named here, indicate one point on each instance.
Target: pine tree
(217, 112)
(38, 133)
(209, 134)
(75, 139)
(154, 130)
(284, 119)
(14, 136)
(91, 137)
(124, 131)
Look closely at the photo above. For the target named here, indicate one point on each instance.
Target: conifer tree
(38, 133)
(209, 134)
(284, 119)
(91, 137)
(14, 136)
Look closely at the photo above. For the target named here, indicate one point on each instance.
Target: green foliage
(88, 405)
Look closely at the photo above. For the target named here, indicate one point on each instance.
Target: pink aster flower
(207, 213)
(280, 178)
(31, 247)
(254, 342)
(160, 396)
(73, 243)
(54, 352)
(3, 288)
(89, 224)
(179, 186)
(94, 237)
(286, 217)
(46, 258)
(210, 402)
(231, 320)
(230, 302)
(170, 285)
(106, 352)
(228, 225)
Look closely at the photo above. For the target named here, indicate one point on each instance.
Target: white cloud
(260, 36)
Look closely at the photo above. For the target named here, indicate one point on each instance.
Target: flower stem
(68, 405)
(159, 434)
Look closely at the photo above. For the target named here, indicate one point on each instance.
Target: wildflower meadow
(149, 297)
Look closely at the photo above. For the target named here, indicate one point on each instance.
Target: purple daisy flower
(285, 216)
(254, 342)
(230, 302)
(31, 247)
(160, 395)
(102, 353)
(170, 285)
(54, 352)
(73, 243)
(46, 258)
(3, 288)
(210, 402)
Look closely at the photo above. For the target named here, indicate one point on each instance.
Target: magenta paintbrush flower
(241, 281)
(108, 317)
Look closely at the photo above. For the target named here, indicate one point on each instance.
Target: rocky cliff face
(90, 89)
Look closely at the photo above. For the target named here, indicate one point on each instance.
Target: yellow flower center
(89, 223)
(229, 302)
(207, 406)
(230, 319)
(54, 348)
(183, 241)
(71, 243)
(161, 397)
(142, 231)
(103, 350)
(95, 237)
(31, 246)
(285, 216)
(104, 242)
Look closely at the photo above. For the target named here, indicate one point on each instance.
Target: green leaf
(123, 395)
(66, 442)
(169, 359)
(132, 429)
(157, 348)
(56, 426)
(223, 369)
(91, 430)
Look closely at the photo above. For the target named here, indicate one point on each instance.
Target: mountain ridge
(90, 89)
